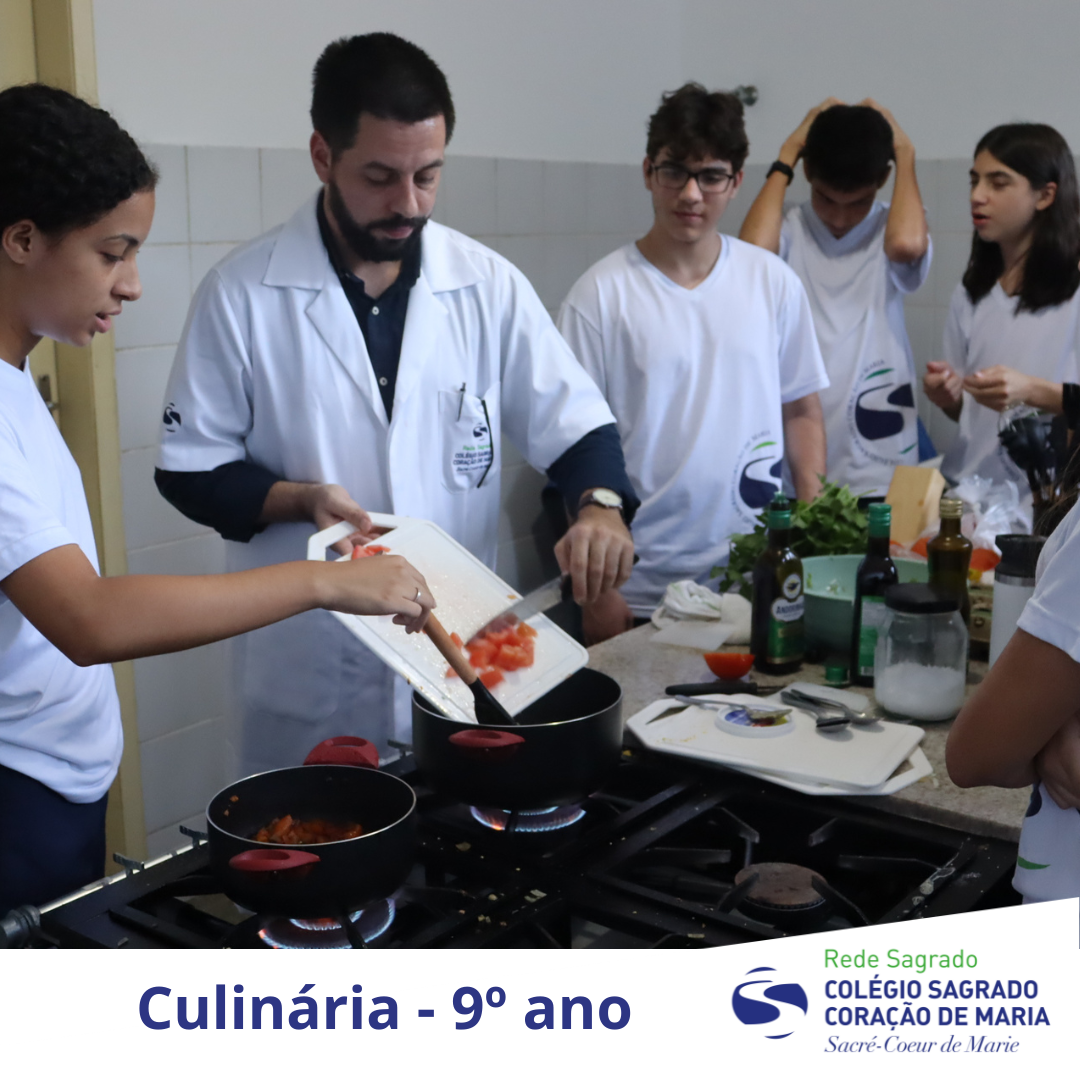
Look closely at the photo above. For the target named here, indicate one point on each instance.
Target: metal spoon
(828, 703)
(754, 711)
(829, 717)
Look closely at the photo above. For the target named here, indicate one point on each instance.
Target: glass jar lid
(919, 599)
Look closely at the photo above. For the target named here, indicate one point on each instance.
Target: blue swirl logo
(774, 1008)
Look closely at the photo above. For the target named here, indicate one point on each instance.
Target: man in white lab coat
(361, 358)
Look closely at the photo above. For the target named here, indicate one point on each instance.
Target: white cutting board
(468, 594)
(860, 756)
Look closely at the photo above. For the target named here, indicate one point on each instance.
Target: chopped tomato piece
(377, 549)
(525, 630)
(451, 673)
(456, 639)
(482, 653)
(512, 658)
(502, 637)
(919, 547)
(491, 678)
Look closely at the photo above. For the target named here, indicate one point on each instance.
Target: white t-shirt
(695, 378)
(1048, 867)
(856, 294)
(1043, 343)
(59, 723)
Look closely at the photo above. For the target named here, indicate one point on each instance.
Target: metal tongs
(830, 715)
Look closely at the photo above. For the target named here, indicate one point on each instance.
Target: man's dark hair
(849, 147)
(1039, 154)
(694, 124)
(380, 74)
(63, 163)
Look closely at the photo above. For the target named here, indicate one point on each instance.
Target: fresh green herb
(832, 524)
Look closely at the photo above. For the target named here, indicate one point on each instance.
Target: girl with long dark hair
(1012, 331)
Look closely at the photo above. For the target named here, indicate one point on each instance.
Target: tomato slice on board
(491, 678)
(456, 639)
(512, 658)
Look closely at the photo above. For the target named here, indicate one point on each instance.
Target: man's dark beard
(360, 239)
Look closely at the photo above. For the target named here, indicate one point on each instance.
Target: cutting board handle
(317, 544)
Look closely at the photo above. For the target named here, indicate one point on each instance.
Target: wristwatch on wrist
(605, 497)
(780, 167)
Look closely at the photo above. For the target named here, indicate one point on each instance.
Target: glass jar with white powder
(920, 665)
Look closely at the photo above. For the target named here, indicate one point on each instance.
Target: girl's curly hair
(64, 164)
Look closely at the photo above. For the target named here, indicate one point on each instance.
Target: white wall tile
(148, 518)
(203, 554)
(954, 206)
(510, 454)
(600, 245)
(288, 179)
(566, 258)
(928, 174)
(469, 197)
(519, 197)
(564, 197)
(616, 200)
(920, 328)
(170, 838)
(951, 253)
(141, 376)
(223, 193)
(204, 257)
(181, 772)
(157, 317)
(171, 200)
(181, 689)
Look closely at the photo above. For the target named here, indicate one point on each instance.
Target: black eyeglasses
(675, 177)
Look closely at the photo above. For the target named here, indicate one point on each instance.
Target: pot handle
(344, 750)
(485, 739)
(266, 860)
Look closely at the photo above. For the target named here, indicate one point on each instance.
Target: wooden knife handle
(451, 653)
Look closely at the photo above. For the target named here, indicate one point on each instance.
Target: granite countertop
(644, 669)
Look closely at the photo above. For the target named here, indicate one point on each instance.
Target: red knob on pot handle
(485, 738)
(345, 750)
(271, 860)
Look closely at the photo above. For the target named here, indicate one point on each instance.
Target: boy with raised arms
(857, 257)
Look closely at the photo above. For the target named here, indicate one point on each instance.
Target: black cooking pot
(313, 880)
(562, 748)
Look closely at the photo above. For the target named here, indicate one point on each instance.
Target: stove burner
(372, 921)
(784, 886)
(528, 821)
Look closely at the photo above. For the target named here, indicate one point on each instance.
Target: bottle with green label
(875, 574)
(776, 629)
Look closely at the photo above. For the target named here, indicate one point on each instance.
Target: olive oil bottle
(949, 556)
(776, 629)
(875, 574)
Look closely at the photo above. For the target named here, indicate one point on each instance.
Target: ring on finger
(416, 598)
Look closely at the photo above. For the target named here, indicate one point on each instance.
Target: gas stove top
(668, 855)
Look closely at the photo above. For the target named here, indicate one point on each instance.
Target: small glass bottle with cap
(920, 665)
(949, 556)
(776, 625)
(876, 573)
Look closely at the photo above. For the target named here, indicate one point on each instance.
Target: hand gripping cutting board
(468, 594)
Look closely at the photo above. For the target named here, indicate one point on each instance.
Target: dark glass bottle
(875, 574)
(949, 555)
(776, 629)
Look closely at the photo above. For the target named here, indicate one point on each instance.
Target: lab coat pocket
(470, 438)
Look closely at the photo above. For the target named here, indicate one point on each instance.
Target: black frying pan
(314, 880)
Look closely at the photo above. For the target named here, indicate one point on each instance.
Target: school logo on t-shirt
(882, 417)
(757, 475)
(171, 418)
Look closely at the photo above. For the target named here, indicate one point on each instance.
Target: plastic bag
(993, 509)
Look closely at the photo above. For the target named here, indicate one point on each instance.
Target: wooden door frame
(52, 41)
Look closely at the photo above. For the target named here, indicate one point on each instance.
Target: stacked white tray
(863, 759)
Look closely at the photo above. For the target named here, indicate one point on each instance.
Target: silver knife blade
(546, 596)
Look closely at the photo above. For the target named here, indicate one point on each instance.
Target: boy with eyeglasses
(704, 348)
(857, 257)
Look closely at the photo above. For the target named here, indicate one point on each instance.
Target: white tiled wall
(552, 219)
